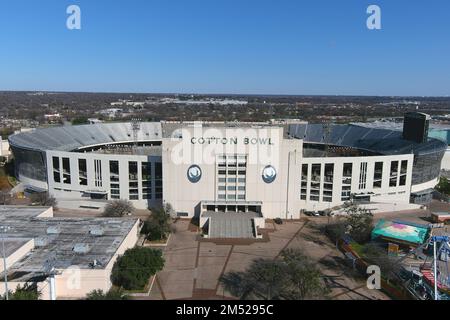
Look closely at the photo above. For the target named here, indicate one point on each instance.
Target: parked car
(312, 213)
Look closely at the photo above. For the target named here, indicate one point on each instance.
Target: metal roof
(382, 141)
(71, 138)
(62, 247)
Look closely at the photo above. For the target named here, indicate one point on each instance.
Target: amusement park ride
(432, 282)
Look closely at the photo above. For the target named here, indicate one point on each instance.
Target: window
(146, 168)
(56, 171)
(316, 172)
(98, 173)
(231, 172)
(114, 179)
(133, 184)
(378, 175)
(133, 187)
(82, 172)
(66, 171)
(394, 174)
(158, 170)
(304, 182)
(403, 172)
(348, 170)
(404, 167)
(158, 180)
(114, 171)
(363, 176)
(132, 171)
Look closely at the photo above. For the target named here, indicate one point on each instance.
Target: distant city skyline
(227, 47)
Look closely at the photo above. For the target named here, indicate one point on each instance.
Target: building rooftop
(380, 141)
(95, 136)
(72, 138)
(61, 242)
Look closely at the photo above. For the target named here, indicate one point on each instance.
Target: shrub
(112, 294)
(43, 199)
(118, 208)
(157, 227)
(133, 270)
(27, 292)
(444, 186)
(153, 231)
(360, 224)
(278, 221)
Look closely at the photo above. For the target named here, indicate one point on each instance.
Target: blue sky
(227, 46)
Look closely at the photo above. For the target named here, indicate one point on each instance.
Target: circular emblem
(269, 174)
(194, 174)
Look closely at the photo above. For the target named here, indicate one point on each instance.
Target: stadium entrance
(235, 220)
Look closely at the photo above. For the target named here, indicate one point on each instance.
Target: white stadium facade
(203, 169)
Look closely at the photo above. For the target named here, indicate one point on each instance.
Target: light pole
(3, 230)
(436, 296)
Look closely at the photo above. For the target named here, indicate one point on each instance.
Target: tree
(294, 277)
(238, 284)
(132, 270)
(118, 208)
(27, 292)
(389, 266)
(359, 224)
(264, 279)
(43, 199)
(153, 231)
(443, 186)
(336, 231)
(157, 226)
(112, 294)
(81, 120)
(305, 279)
(4, 195)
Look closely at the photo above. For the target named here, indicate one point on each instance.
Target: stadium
(255, 171)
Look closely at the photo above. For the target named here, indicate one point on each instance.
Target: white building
(65, 258)
(4, 148)
(265, 170)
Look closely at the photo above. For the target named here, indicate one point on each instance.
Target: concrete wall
(278, 197)
(446, 160)
(397, 194)
(17, 255)
(4, 148)
(76, 191)
(48, 213)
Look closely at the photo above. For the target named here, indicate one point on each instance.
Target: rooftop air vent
(97, 231)
(53, 230)
(95, 264)
(41, 241)
(81, 248)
